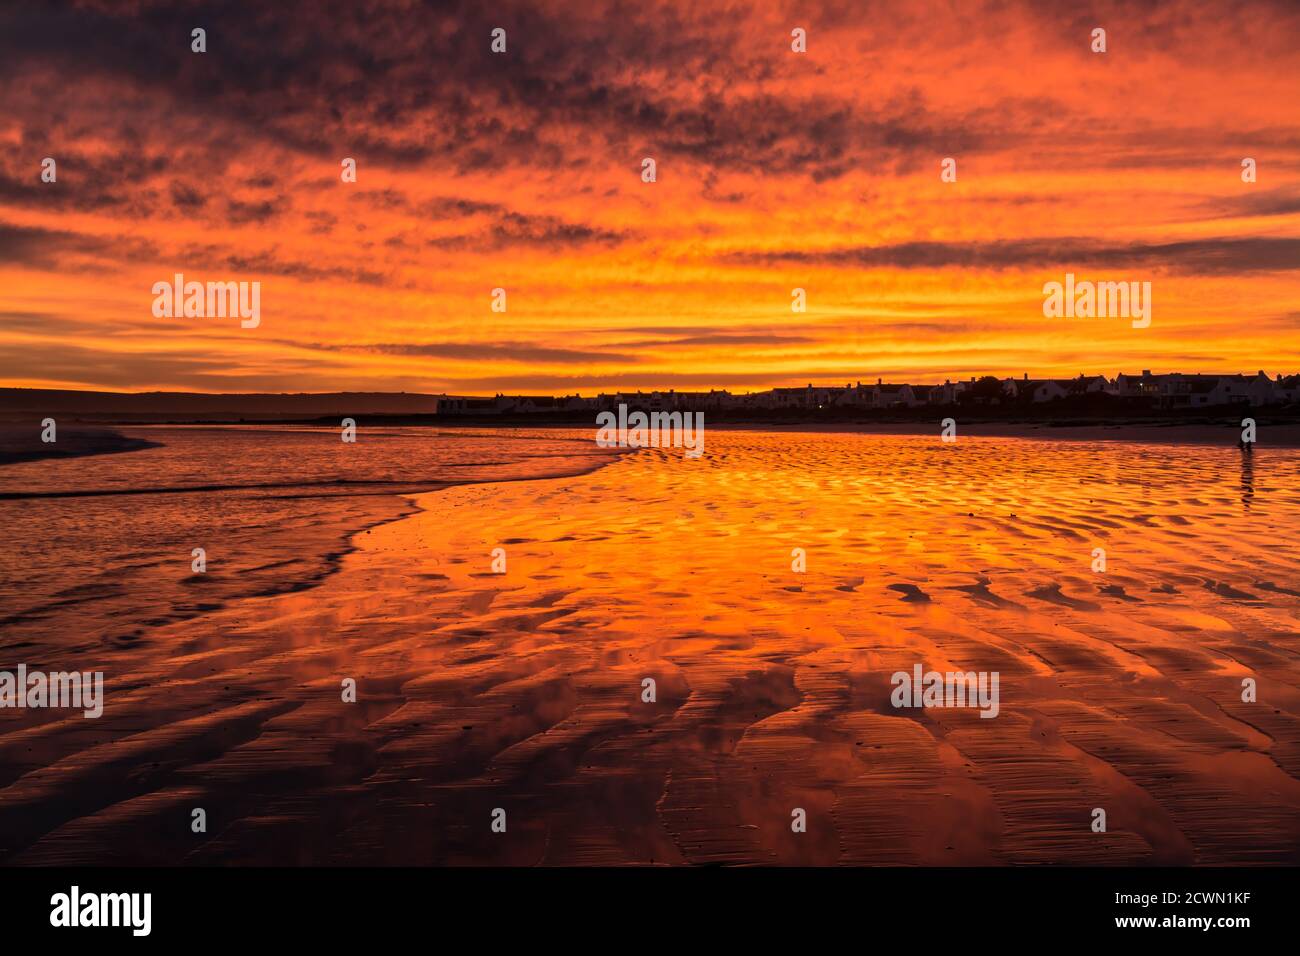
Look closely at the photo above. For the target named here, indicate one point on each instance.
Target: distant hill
(26, 404)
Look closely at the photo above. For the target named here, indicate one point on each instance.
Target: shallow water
(101, 547)
(523, 691)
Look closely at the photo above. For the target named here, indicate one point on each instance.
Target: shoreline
(1284, 433)
(17, 447)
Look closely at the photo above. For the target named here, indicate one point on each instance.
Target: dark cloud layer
(500, 351)
(522, 171)
(1221, 256)
(70, 251)
(417, 84)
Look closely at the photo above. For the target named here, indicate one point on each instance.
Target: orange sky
(776, 170)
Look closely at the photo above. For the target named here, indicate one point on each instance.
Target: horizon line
(1024, 375)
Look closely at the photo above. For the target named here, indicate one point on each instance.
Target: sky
(523, 170)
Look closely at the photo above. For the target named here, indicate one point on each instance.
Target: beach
(522, 688)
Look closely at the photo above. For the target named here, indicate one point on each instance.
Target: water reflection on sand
(523, 690)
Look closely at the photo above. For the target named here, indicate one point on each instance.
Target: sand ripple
(523, 690)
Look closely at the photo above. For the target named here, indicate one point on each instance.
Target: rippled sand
(522, 690)
(100, 548)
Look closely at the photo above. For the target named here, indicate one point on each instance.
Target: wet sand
(1227, 433)
(101, 549)
(23, 443)
(523, 690)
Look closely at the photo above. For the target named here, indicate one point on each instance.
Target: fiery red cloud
(522, 170)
